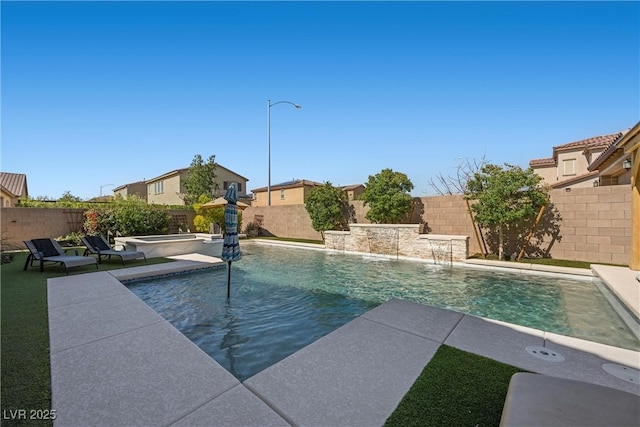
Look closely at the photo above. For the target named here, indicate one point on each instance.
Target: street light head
(297, 106)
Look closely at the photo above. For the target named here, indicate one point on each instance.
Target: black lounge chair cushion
(46, 247)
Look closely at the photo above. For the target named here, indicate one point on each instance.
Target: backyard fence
(584, 224)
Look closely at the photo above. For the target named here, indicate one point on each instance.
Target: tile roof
(289, 184)
(610, 149)
(14, 183)
(595, 142)
(600, 141)
(543, 162)
(351, 187)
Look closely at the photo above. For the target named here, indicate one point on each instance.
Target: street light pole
(102, 186)
(269, 105)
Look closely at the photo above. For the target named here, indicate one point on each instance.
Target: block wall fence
(586, 224)
(19, 224)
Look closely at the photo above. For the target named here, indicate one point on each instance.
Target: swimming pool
(284, 298)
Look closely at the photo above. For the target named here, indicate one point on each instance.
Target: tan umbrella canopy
(221, 202)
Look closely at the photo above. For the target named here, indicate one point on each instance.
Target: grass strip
(556, 262)
(24, 337)
(456, 388)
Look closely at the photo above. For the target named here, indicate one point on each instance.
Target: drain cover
(544, 353)
(623, 372)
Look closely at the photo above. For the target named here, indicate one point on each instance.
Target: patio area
(123, 364)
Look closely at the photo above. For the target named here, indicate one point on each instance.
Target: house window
(569, 167)
(158, 187)
(281, 194)
(226, 184)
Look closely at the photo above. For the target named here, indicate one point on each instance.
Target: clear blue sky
(110, 93)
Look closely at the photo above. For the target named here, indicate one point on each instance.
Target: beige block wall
(586, 224)
(595, 224)
(284, 221)
(19, 224)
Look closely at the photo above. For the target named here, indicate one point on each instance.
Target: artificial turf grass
(456, 388)
(24, 338)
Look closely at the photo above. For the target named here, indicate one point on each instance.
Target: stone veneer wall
(398, 240)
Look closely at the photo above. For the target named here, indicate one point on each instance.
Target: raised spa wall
(398, 240)
(173, 244)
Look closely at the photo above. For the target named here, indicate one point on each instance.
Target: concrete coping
(285, 243)
(529, 267)
(385, 225)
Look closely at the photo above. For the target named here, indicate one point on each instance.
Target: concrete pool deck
(115, 361)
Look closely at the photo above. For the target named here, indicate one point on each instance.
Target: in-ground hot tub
(174, 244)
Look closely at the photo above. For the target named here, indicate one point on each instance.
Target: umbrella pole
(229, 280)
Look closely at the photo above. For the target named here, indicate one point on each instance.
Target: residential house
(13, 186)
(620, 164)
(613, 164)
(138, 189)
(353, 192)
(569, 166)
(168, 189)
(285, 193)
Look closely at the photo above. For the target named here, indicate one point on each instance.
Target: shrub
(71, 239)
(204, 217)
(130, 217)
(253, 229)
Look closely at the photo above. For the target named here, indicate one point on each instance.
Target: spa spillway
(173, 244)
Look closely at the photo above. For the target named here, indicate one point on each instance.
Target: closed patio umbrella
(231, 246)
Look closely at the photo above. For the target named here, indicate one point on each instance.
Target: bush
(129, 218)
(253, 229)
(71, 239)
(205, 216)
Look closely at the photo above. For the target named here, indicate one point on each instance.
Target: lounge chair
(48, 250)
(97, 245)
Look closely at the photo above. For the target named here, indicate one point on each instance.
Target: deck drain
(623, 372)
(544, 353)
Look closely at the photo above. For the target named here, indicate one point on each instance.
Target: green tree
(205, 216)
(68, 200)
(387, 194)
(328, 208)
(200, 179)
(505, 196)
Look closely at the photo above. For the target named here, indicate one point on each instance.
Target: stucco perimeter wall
(402, 240)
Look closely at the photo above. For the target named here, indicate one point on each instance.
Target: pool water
(283, 299)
